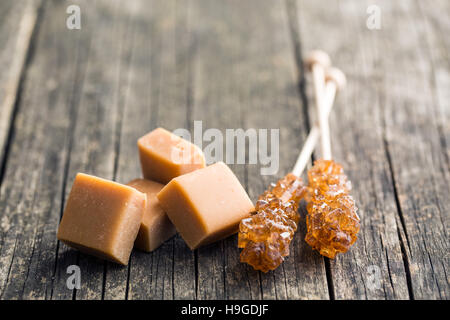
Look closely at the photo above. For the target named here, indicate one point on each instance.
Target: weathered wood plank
(358, 144)
(31, 193)
(125, 166)
(97, 128)
(141, 64)
(158, 97)
(215, 102)
(245, 77)
(416, 122)
(17, 23)
(434, 28)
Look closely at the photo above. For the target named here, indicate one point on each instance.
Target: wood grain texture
(358, 144)
(158, 97)
(386, 134)
(417, 154)
(97, 130)
(30, 199)
(245, 77)
(17, 24)
(77, 100)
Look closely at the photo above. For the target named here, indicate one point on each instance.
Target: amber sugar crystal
(266, 235)
(332, 222)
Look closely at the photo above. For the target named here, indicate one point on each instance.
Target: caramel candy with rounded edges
(102, 218)
(164, 156)
(156, 227)
(206, 205)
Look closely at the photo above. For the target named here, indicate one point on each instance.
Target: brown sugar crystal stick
(265, 236)
(332, 222)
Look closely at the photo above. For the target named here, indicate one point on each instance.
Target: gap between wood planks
(25, 47)
(74, 101)
(24, 51)
(401, 229)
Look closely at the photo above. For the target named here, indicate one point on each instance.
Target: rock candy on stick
(332, 222)
(266, 235)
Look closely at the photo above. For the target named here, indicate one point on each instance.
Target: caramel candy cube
(102, 218)
(206, 205)
(165, 155)
(155, 226)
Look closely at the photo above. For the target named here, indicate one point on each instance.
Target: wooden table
(76, 101)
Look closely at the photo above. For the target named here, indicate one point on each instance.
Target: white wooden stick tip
(337, 76)
(318, 57)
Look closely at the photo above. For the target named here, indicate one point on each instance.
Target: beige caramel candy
(164, 156)
(206, 205)
(156, 226)
(102, 218)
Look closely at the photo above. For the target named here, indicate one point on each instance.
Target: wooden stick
(318, 75)
(335, 81)
(313, 136)
(318, 61)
